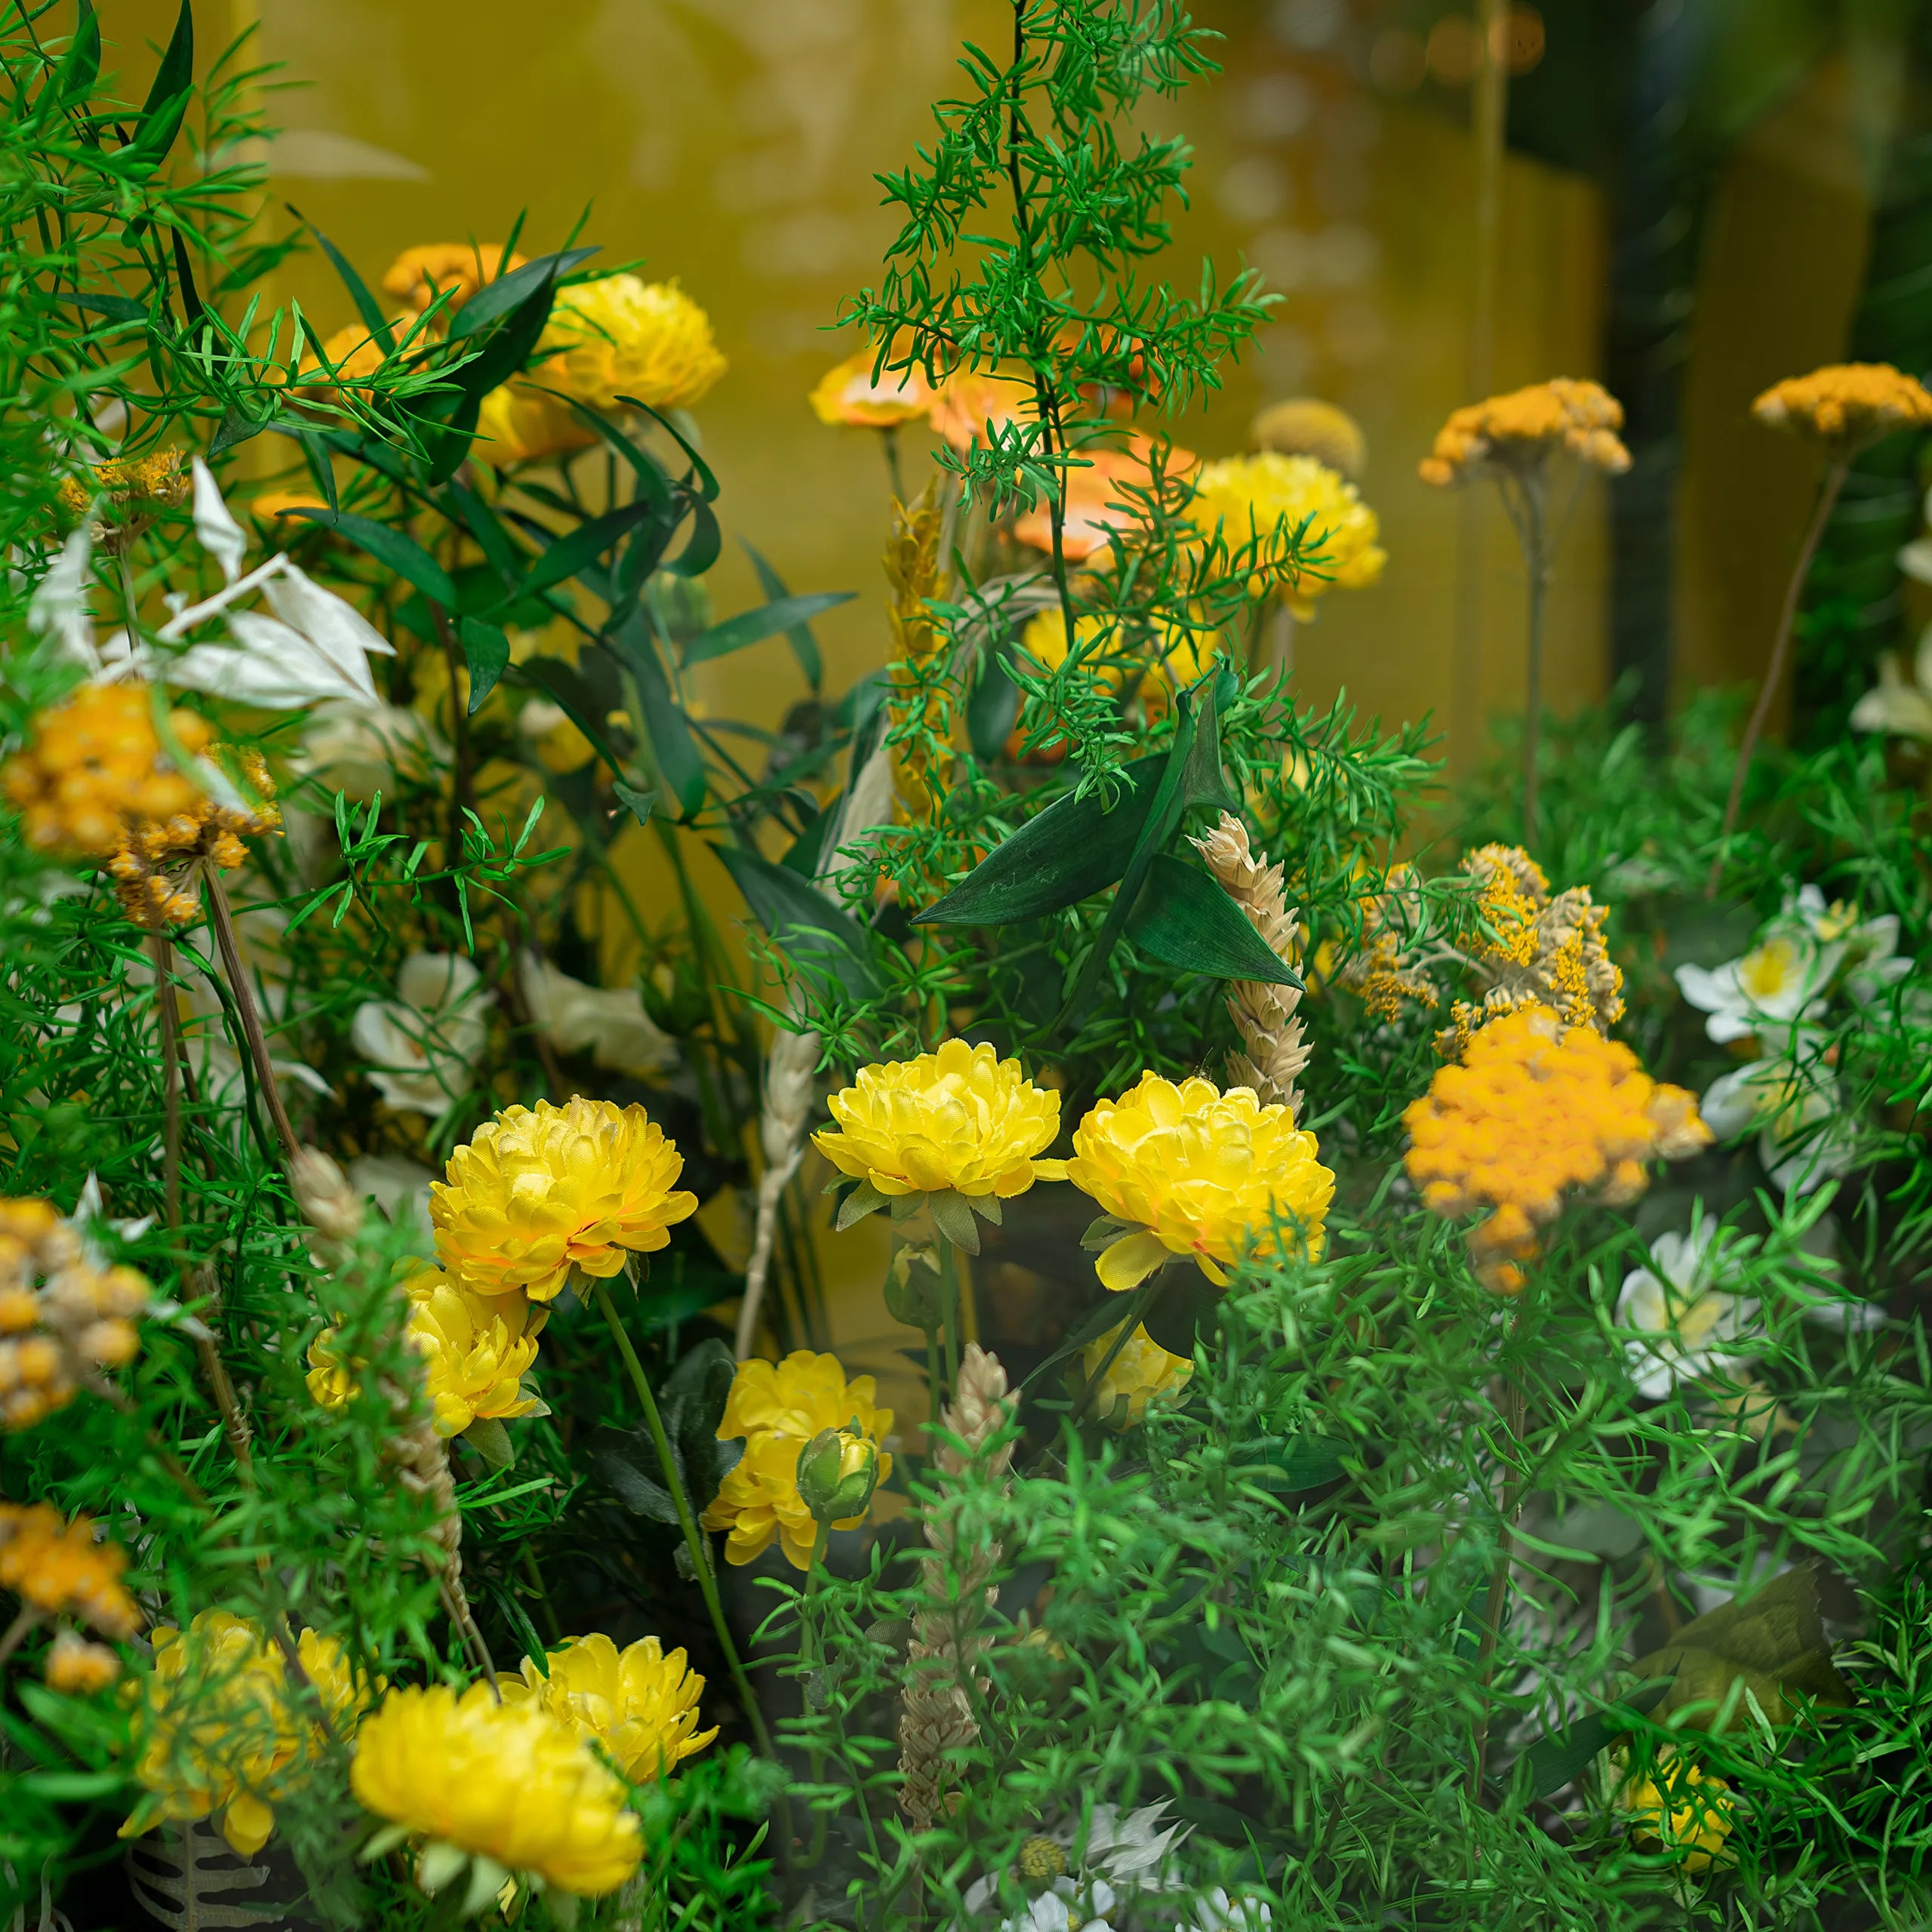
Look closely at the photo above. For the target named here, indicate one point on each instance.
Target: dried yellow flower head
(1269, 498)
(78, 1668)
(621, 337)
(1535, 1109)
(507, 1782)
(1189, 1170)
(639, 1705)
(1142, 1372)
(848, 395)
(538, 1192)
(419, 274)
(95, 762)
(60, 1568)
(159, 477)
(160, 862)
(1305, 425)
(1847, 406)
(1520, 430)
(778, 1408)
(961, 1118)
(1680, 1808)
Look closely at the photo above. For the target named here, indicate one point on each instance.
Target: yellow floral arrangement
(1846, 406)
(505, 1782)
(619, 336)
(1268, 497)
(1521, 430)
(1535, 1109)
(778, 1408)
(59, 1568)
(538, 1192)
(638, 1705)
(1189, 1170)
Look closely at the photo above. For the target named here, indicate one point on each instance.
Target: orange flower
(971, 400)
(418, 275)
(1846, 406)
(1100, 503)
(1520, 430)
(1305, 425)
(848, 394)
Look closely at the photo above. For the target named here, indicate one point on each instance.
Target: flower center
(1767, 972)
(1041, 1858)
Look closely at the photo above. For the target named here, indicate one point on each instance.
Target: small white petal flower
(220, 534)
(1805, 1138)
(1688, 1320)
(58, 609)
(424, 1043)
(1215, 1912)
(1780, 981)
(610, 1021)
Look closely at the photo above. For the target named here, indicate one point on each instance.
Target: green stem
(1513, 1411)
(888, 434)
(949, 1278)
(553, 1627)
(694, 1541)
(1536, 547)
(254, 1040)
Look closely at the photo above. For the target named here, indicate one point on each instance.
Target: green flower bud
(838, 1471)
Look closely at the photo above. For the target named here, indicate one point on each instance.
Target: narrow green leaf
(498, 298)
(391, 547)
(805, 646)
(1556, 1758)
(80, 65)
(166, 104)
(572, 551)
(486, 649)
(818, 935)
(680, 763)
(750, 627)
(563, 685)
(641, 804)
(707, 482)
(373, 318)
(1185, 920)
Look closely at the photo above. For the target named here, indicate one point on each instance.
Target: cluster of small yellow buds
(160, 861)
(95, 763)
(1518, 431)
(1846, 406)
(63, 1321)
(1534, 1109)
(156, 478)
(58, 1568)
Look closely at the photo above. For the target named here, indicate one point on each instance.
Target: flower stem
(949, 1278)
(1536, 554)
(17, 1632)
(888, 435)
(171, 1090)
(687, 1522)
(1512, 1411)
(223, 919)
(1828, 497)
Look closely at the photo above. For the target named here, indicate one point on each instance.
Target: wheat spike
(1265, 1014)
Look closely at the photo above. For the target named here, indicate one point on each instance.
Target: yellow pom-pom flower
(778, 1408)
(619, 336)
(221, 1733)
(1680, 1808)
(1260, 502)
(1142, 1372)
(1305, 425)
(537, 1193)
(639, 1704)
(505, 1782)
(78, 1668)
(1189, 1170)
(961, 1118)
(1518, 433)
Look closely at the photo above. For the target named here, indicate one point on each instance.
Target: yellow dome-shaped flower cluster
(1142, 1372)
(221, 1731)
(1520, 430)
(1534, 1109)
(519, 423)
(96, 762)
(538, 1192)
(419, 274)
(62, 1321)
(848, 395)
(474, 1349)
(61, 1569)
(1268, 497)
(1190, 1170)
(621, 337)
(78, 1668)
(160, 861)
(507, 1782)
(778, 1408)
(961, 1118)
(640, 1706)
(1680, 1808)
(1305, 425)
(1847, 406)
(159, 477)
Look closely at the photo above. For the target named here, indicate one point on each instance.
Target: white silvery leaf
(323, 672)
(283, 675)
(220, 534)
(59, 610)
(337, 629)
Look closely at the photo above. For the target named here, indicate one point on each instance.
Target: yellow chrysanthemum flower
(1305, 425)
(778, 1408)
(219, 1732)
(961, 1118)
(535, 1194)
(1142, 1372)
(640, 1705)
(1268, 496)
(619, 336)
(507, 1782)
(519, 424)
(1680, 1808)
(1191, 1170)
(847, 396)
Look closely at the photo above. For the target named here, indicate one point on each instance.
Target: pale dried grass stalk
(936, 1719)
(1265, 1014)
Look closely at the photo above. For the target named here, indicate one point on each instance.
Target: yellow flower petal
(1126, 1263)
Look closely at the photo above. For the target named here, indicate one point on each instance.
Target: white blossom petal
(58, 610)
(220, 534)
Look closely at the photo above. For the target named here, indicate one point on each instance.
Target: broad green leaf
(992, 707)
(627, 1460)
(816, 933)
(80, 65)
(680, 763)
(166, 104)
(1561, 1756)
(707, 482)
(805, 646)
(1186, 919)
(486, 650)
(498, 298)
(391, 547)
(564, 685)
(750, 627)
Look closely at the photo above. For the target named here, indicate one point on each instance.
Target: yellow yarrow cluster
(1520, 430)
(1534, 1109)
(60, 1568)
(159, 477)
(620, 336)
(961, 1118)
(1268, 497)
(475, 1348)
(1847, 406)
(95, 763)
(537, 1192)
(1142, 1372)
(639, 1705)
(160, 861)
(505, 1782)
(1189, 1170)
(222, 1731)
(778, 1408)
(1680, 1808)
(63, 1321)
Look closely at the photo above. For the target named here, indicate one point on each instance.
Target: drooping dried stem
(222, 918)
(1264, 1013)
(936, 1719)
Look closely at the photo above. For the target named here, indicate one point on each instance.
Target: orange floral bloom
(1519, 430)
(972, 400)
(1846, 406)
(418, 275)
(1099, 505)
(848, 395)
(61, 1569)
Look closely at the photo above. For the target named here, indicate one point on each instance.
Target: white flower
(1062, 1909)
(1804, 1137)
(1127, 1846)
(425, 1043)
(1867, 949)
(357, 748)
(1894, 706)
(1687, 1317)
(611, 1021)
(220, 534)
(1215, 1912)
(1779, 982)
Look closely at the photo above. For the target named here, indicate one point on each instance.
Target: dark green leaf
(707, 483)
(116, 308)
(641, 804)
(805, 646)
(816, 934)
(1188, 1308)
(80, 65)
(582, 546)
(468, 510)
(1186, 919)
(627, 1460)
(167, 104)
(701, 548)
(498, 298)
(1555, 1760)
(1292, 1463)
(680, 763)
(750, 627)
(486, 650)
(367, 306)
(692, 1405)
(992, 707)
(563, 685)
(1073, 850)
(391, 547)
(234, 428)
(954, 1219)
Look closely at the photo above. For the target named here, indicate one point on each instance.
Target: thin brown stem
(1536, 553)
(1513, 1411)
(170, 1089)
(18, 1632)
(1768, 692)
(208, 1350)
(222, 919)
